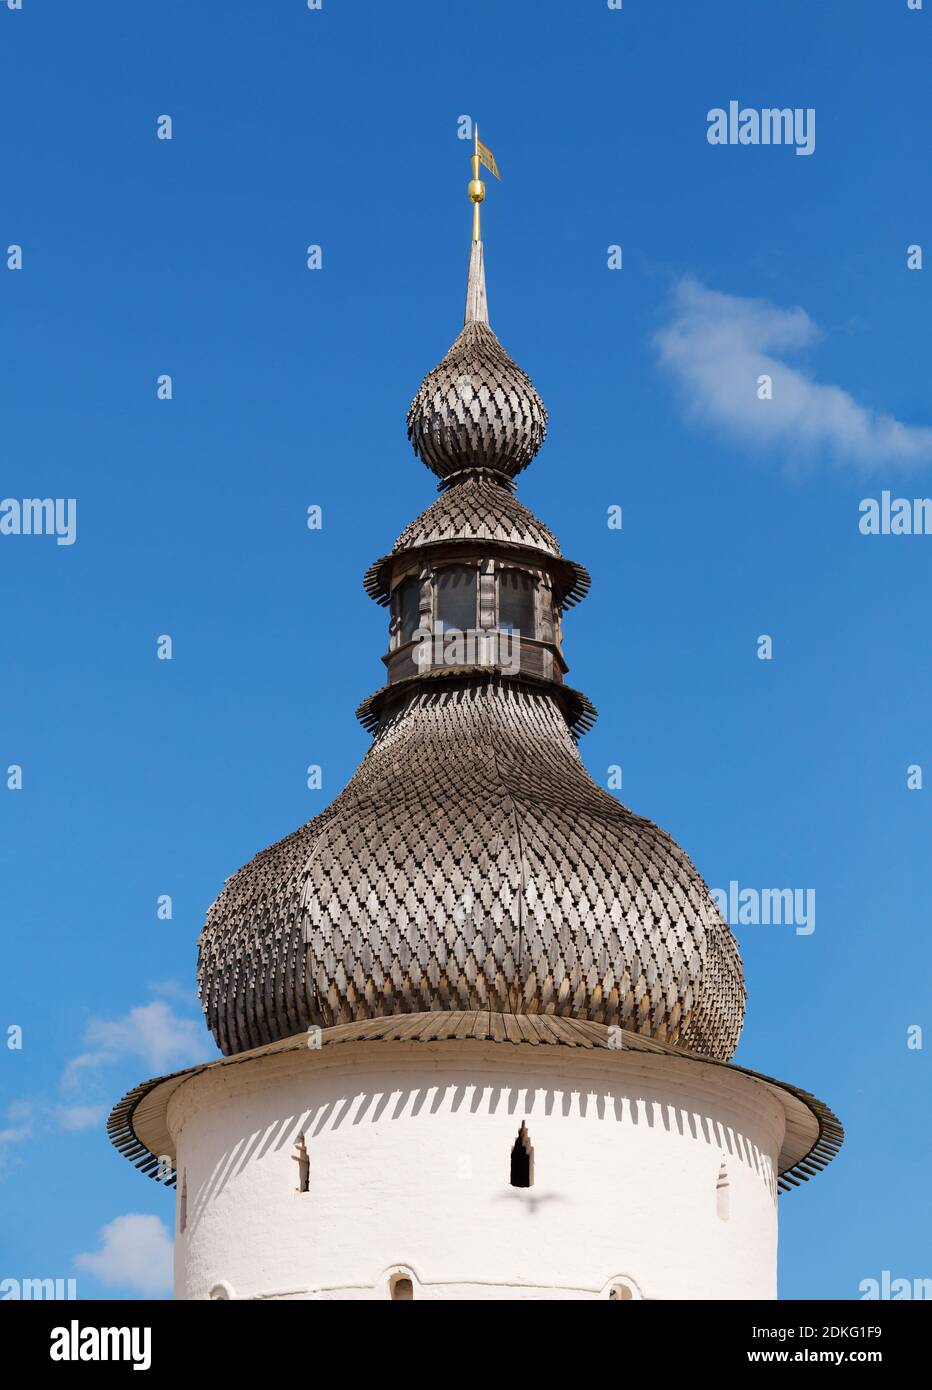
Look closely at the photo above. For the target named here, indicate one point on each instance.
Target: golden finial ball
(476, 190)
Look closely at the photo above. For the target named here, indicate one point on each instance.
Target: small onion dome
(476, 409)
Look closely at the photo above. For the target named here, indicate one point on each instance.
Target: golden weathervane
(481, 155)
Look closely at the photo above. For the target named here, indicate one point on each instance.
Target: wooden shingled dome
(476, 409)
(472, 863)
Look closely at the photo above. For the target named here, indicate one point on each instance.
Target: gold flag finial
(481, 155)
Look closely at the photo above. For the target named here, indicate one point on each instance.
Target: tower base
(389, 1170)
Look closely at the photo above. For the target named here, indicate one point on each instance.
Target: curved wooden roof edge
(578, 710)
(143, 1109)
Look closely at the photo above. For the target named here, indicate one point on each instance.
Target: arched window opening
(183, 1203)
(456, 599)
(722, 1193)
(304, 1164)
(620, 1291)
(522, 1159)
(516, 602)
(401, 1287)
(408, 600)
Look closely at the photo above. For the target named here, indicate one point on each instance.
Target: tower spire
(477, 309)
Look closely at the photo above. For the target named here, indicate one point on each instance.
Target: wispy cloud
(39, 1116)
(154, 1033)
(74, 1117)
(20, 1122)
(716, 346)
(15, 1134)
(19, 1126)
(135, 1253)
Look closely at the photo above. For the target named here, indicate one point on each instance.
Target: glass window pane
(456, 598)
(409, 607)
(516, 602)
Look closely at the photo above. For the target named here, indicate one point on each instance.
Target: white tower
(477, 1016)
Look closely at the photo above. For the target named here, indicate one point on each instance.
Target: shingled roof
(478, 505)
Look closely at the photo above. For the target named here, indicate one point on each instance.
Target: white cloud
(20, 1115)
(14, 1135)
(74, 1117)
(30, 1119)
(154, 1033)
(87, 1061)
(717, 345)
(135, 1253)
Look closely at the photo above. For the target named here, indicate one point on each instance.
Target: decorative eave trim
(578, 711)
(573, 580)
(123, 1136)
(477, 1026)
(579, 587)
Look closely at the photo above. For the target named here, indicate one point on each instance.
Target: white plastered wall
(409, 1173)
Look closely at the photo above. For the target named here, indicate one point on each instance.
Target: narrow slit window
(722, 1194)
(522, 1160)
(183, 1203)
(408, 598)
(304, 1164)
(516, 603)
(456, 599)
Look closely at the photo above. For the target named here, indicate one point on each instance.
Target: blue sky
(339, 127)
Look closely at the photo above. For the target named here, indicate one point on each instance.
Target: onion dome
(472, 863)
(477, 408)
